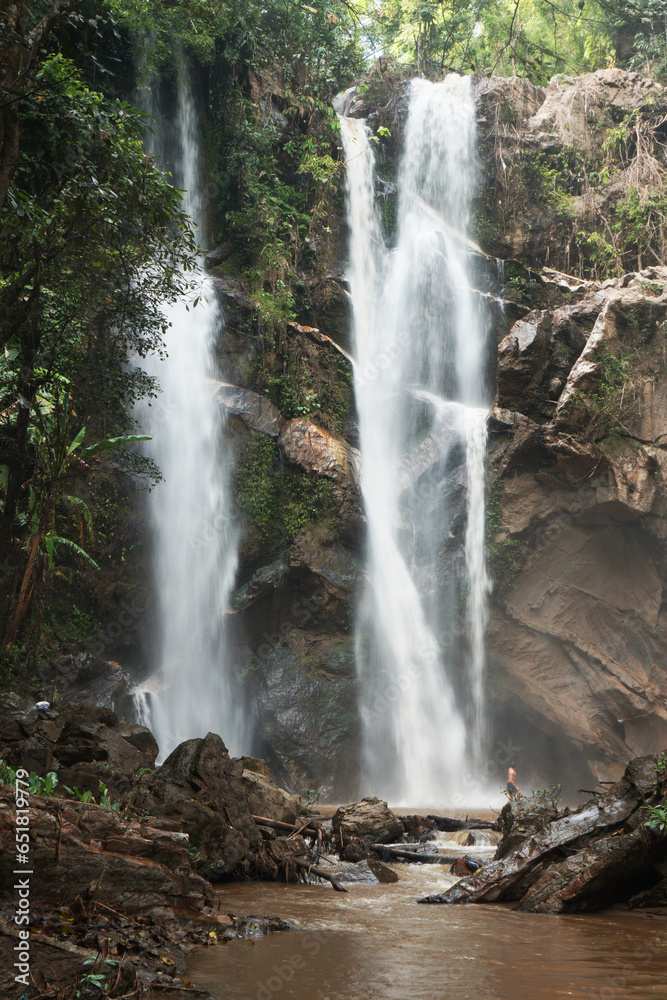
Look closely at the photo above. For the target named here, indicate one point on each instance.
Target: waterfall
(419, 329)
(478, 579)
(194, 539)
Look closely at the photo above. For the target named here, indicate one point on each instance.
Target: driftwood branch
(448, 824)
(402, 855)
(320, 872)
(275, 824)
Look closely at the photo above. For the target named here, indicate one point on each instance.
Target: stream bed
(375, 943)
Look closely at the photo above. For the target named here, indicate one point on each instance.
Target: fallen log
(449, 824)
(310, 830)
(425, 858)
(320, 872)
(301, 830)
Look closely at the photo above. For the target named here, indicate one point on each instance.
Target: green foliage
(501, 554)
(524, 37)
(94, 984)
(37, 785)
(598, 412)
(541, 799)
(279, 500)
(650, 43)
(640, 225)
(274, 189)
(317, 48)
(544, 180)
(657, 818)
(76, 793)
(87, 796)
(94, 241)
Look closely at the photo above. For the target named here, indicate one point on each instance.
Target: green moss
(544, 181)
(304, 381)
(278, 500)
(502, 555)
(598, 413)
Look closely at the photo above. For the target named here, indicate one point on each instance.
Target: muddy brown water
(375, 943)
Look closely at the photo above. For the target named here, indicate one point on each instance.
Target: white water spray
(419, 334)
(478, 578)
(193, 538)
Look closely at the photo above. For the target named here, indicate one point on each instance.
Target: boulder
(73, 735)
(265, 797)
(89, 851)
(537, 355)
(307, 709)
(199, 789)
(369, 872)
(257, 412)
(655, 897)
(315, 450)
(370, 820)
(465, 866)
(90, 679)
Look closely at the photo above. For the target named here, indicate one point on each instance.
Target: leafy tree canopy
(93, 242)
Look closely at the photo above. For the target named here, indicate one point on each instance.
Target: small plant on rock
(37, 785)
(657, 818)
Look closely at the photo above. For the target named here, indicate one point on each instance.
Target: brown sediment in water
(374, 943)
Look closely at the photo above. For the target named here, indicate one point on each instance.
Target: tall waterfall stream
(194, 540)
(420, 330)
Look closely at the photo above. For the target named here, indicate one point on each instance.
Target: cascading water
(194, 541)
(478, 579)
(420, 331)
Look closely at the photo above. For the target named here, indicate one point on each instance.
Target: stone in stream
(465, 866)
(369, 871)
(369, 820)
(591, 858)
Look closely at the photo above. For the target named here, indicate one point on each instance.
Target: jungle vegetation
(92, 235)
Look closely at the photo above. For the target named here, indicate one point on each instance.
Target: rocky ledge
(123, 854)
(578, 443)
(601, 854)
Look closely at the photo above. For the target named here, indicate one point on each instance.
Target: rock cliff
(571, 188)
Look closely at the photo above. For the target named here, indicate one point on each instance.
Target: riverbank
(125, 869)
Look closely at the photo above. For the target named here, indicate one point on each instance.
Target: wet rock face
(90, 851)
(576, 637)
(307, 712)
(72, 740)
(199, 790)
(370, 820)
(536, 357)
